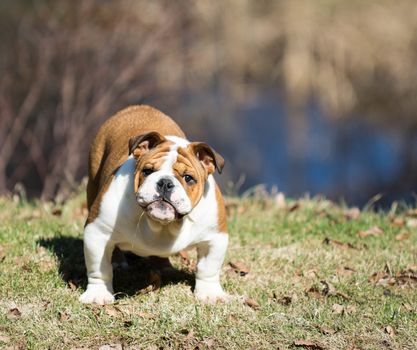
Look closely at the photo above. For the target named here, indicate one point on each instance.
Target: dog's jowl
(152, 192)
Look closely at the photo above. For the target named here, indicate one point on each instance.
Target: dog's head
(170, 174)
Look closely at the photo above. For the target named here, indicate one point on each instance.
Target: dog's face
(170, 174)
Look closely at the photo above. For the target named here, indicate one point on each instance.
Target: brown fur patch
(221, 211)
(109, 149)
(188, 164)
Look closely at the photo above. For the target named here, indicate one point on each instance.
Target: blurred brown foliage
(67, 65)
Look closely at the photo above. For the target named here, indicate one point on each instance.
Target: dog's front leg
(98, 249)
(211, 255)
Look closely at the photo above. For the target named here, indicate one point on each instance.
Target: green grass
(295, 277)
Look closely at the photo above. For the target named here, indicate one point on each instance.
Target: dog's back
(109, 148)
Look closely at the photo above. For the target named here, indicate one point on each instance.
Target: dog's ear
(208, 157)
(141, 144)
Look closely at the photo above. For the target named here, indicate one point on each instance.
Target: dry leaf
(345, 271)
(352, 213)
(326, 330)
(293, 207)
(145, 315)
(14, 313)
(239, 268)
(403, 235)
(338, 244)
(350, 309)
(374, 231)
(285, 300)
(309, 344)
(390, 331)
(312, 273)
(113, 311)
(314, 293)
(252, 303)
(57, 212)
(397, 221)
(63, 316)
(338, 309)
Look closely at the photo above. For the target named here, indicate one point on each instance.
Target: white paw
(210, 292)
(97, 293)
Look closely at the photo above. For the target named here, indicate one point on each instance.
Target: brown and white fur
(151, 191)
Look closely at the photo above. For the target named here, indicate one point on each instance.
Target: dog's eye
(189, 179)
(147, 171)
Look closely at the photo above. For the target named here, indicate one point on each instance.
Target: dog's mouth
(163, 211)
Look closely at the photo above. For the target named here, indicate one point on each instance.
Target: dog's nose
(165, 185)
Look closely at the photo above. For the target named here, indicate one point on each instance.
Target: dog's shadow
(126, 281)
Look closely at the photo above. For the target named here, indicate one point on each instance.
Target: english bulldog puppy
(152, 192)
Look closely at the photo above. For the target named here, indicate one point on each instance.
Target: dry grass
(308, 288)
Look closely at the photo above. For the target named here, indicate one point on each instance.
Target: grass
(312, 277)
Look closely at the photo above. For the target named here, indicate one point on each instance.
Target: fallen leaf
(293, 207)
(390, 331)
(113, 311)
(403, 235)
(14, 313)
(338, 244)
(326, 330)
(352, 213)
(312, 273)
(329, 289)
(285, 300)
(146, 315)
(350, 309)
(239, 268)
(338, 309)
(56, 212)
(397, 221)
(345, 271)
(411, 212)
(374, 231)
(309, 344)
(63, 316)
(314, 292)
(252, 303)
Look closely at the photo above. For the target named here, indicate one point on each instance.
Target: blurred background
(314, 97)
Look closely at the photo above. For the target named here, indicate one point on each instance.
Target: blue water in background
(350, 161)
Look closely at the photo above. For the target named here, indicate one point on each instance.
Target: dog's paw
(210, 293)
(97, 293)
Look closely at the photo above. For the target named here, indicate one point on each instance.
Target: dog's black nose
(164, 185)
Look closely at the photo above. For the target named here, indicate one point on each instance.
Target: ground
(306, 274)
